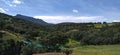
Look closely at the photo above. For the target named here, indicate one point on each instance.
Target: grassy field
(7, 35)
(97, 50)
(101, 25)
(91, 50)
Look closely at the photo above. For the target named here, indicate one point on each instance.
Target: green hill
(7, 36)
(21, 26)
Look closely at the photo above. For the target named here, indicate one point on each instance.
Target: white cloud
(17, 1)
(75, 11)
(76, 19)
(12, 3)
(116, 20)
(2, 10)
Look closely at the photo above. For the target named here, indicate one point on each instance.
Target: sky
(57, 11)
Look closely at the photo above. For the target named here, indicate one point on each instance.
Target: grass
(92, 50)
(7, 35)
(98, 25)
(97, 50)
(101, 25)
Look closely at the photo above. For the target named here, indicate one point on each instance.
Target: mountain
(21, 26)
(39, 21)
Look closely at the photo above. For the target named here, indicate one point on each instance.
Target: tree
(2, 24)
(37, 49)
(67, 51)
(26, 50)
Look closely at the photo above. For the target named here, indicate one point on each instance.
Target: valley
(20, 36)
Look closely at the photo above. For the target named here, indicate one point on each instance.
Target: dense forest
(23, 37)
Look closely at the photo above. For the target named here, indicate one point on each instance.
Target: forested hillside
(21, 26)
(19, 36)
(39, 21)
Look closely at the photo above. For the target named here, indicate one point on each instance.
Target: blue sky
(57, 11)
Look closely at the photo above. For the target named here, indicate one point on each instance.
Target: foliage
(67, 51)
(13, 30)
(72, 43)
(97, 50)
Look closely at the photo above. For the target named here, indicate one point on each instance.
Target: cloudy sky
(57, 11)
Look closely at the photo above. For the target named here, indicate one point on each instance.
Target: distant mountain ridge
(21, 26)
(39, 21)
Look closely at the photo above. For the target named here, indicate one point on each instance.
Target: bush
(67, 51)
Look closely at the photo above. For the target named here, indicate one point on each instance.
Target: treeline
(104, 36)
(89, 34)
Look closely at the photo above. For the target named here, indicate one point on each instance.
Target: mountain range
(28, 18)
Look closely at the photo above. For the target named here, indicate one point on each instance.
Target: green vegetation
(97, 50)
(22, 37)
(98, 26)
(7, 36)
(72, 43)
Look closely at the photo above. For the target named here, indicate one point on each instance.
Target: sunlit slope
(7, 36)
